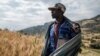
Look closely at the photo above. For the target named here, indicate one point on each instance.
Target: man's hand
(76, 27)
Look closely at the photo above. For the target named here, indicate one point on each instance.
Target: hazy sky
(20, 14)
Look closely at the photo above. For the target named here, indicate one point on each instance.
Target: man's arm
(69, 47)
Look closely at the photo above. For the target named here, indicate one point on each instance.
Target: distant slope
(93, 24)
(36, 29)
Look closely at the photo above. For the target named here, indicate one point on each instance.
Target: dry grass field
(16, 44)
(87, 37)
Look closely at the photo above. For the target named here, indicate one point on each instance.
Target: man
(59, 32)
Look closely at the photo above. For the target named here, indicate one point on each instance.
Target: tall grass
(15, 44)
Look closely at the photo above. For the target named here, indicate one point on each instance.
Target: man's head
(57, 10)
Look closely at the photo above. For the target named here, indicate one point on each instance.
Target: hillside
(36, 29)
(92, 24)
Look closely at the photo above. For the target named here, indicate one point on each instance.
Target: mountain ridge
(92, 23)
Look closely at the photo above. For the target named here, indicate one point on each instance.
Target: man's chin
(53, 17)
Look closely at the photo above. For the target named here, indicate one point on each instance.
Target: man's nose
(53, 12)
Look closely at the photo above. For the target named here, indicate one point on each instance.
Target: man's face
(56, 13)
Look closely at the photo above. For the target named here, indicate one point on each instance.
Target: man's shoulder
(73, 25)
(68, 21)
(51, 23)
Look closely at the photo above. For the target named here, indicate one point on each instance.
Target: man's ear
(62, 12)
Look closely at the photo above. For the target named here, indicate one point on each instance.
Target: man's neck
(59, 19)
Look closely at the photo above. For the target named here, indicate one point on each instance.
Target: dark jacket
(70, 48)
